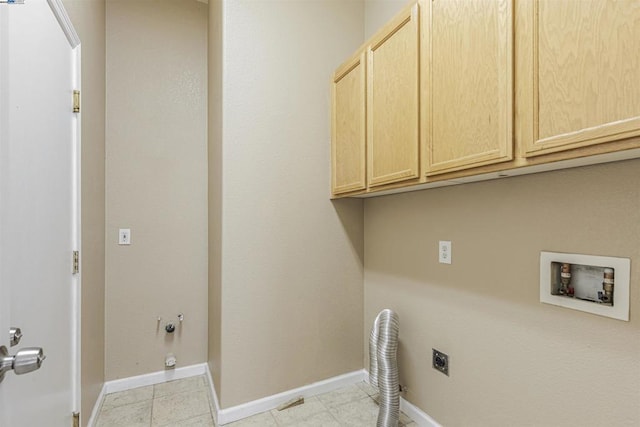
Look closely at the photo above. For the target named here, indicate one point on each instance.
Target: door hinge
(76, 262)
(76, 419)
(76, 101)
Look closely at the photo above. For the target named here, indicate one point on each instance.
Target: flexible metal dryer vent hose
(383, 366)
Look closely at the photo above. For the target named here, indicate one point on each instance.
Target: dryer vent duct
(383, 366)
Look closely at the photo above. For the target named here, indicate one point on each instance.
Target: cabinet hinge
(76, 262)
(76, 101)
(76, 419)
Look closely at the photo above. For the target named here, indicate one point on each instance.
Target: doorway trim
(61, 15)
(65, 22)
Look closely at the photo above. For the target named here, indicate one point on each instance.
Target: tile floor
(183, 403)
(187, 403)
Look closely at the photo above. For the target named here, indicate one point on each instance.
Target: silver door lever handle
(26, 360)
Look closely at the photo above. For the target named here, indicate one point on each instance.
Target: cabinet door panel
(586, 62)
(471, 84)
(392, 101)
(348, 128)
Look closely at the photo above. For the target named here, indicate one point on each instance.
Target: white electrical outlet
(124, 236)
(444, 252)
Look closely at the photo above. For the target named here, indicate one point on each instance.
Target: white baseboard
(96, 408)
(144, 380)
(155, 378)
(235, 413)
(214, 395)
(416, 414)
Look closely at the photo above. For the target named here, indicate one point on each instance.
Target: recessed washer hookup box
(594, 284)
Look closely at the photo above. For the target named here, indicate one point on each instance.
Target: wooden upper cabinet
(468, 87)
(393, 137)
(348, 127)
(585, 78)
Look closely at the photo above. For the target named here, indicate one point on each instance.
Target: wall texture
(88, 18)
(156, 183)
(291, 260)
(215, 191)
(378, 12)
(514, 361)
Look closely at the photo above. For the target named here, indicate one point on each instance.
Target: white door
(39, 148)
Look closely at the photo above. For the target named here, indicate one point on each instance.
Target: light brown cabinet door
(469, 83)
(348, 127)
(392, 101)
(585, 82)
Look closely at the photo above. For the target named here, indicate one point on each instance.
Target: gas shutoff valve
(170, 326)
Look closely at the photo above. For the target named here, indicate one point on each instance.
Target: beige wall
(514, 361)
(378, 12)
(215, 191)
(291, 259)
(88, 17)
(156, 183)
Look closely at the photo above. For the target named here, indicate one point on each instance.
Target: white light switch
(444, 256)
(124, 236)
